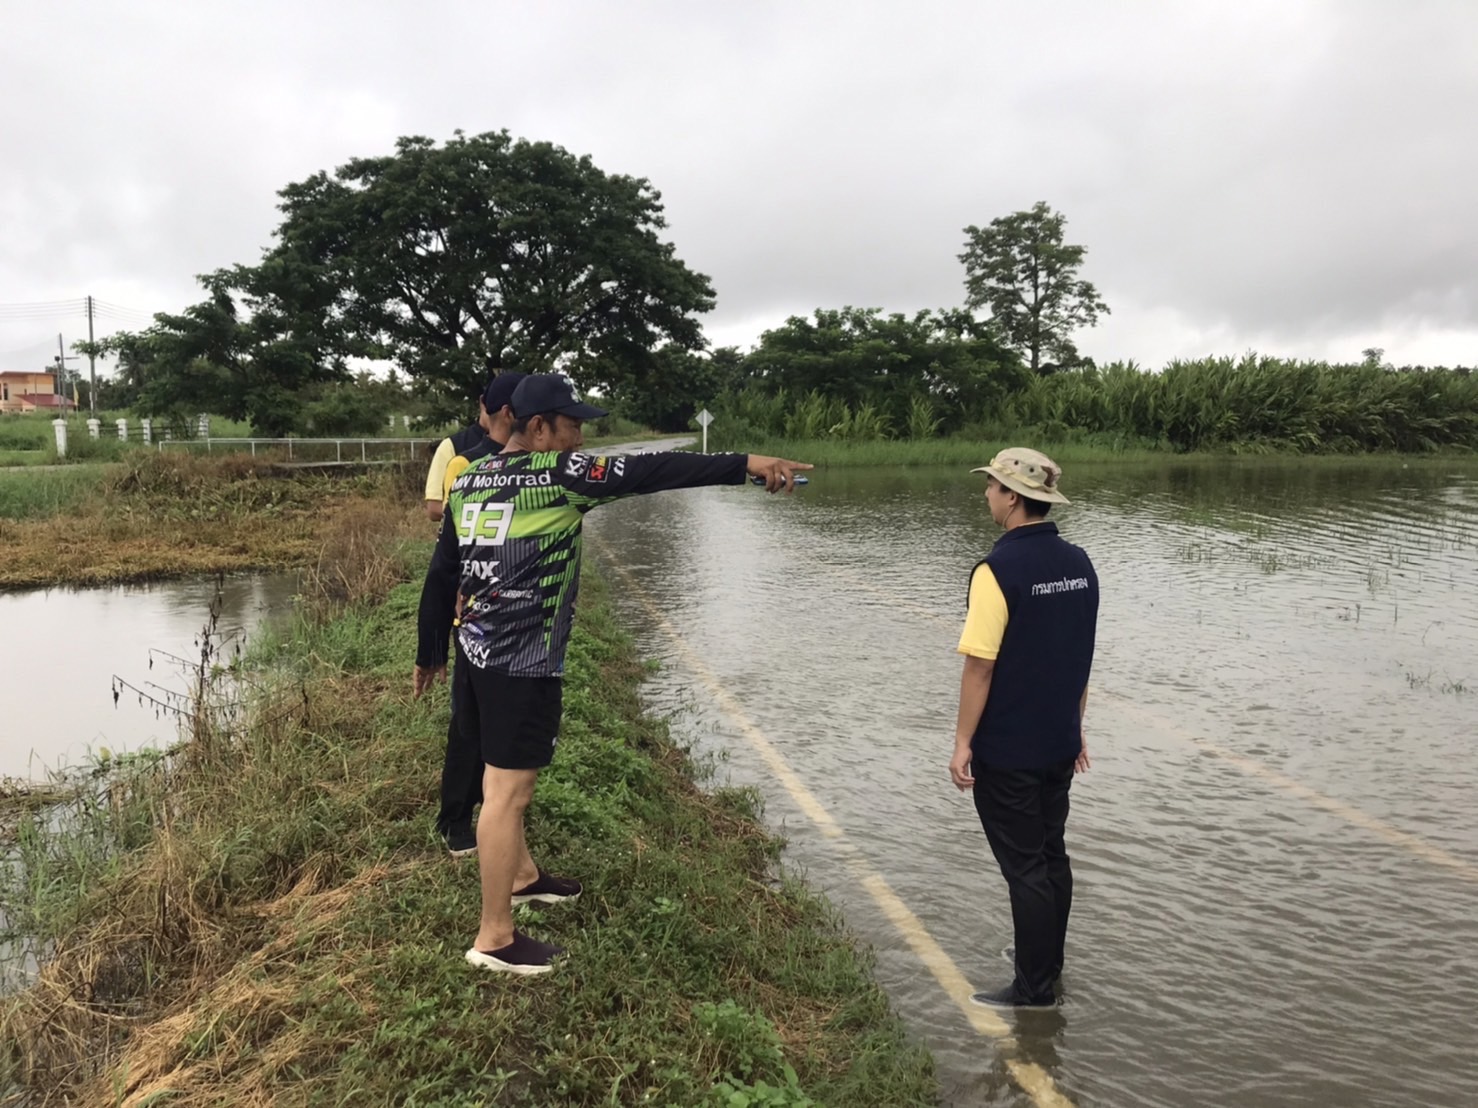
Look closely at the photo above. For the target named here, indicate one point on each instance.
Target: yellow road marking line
(1032, 1078)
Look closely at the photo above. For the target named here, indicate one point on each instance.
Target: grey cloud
(1274, 172)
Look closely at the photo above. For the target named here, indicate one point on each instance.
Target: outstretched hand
(777, 473)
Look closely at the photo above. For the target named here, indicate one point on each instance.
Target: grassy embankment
(268, 918)
(154, 515)
(166, 515)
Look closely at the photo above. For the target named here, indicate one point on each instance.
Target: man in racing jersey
(507, 562)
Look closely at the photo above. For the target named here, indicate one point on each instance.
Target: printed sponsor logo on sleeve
(618, 467)
(576, 464)
(599, 469)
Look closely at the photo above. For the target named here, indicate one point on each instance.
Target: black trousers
(1024, 813)
(461, 770)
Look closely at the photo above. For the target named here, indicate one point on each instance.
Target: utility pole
(62, 358)
(92, 365)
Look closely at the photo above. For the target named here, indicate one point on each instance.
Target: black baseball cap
(499, 393)
(546, 393)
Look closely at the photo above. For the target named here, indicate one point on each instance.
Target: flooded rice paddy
(1276, 850)
(60, 650)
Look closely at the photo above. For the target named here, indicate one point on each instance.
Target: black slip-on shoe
(523, 956)
(548, 889)
(1010, 998)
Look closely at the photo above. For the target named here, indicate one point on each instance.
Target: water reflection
(1234, 942)
(59, 649)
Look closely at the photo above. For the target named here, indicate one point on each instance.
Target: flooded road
(59, 649)
(1276, 851)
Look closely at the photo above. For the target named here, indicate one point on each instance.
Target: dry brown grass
(359, 559)
(175, 516)
(179, 945)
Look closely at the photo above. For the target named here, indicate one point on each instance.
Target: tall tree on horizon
(1021, 270)
(461, 259)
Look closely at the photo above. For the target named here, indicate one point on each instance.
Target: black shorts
(515, 720)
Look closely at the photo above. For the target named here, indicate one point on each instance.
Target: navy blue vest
(468, 436)
(1031, 718)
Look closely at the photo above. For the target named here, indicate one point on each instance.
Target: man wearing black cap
(491, 410)
(508, 562)
(461, 770)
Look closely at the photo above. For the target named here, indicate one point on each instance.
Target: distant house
(46, 402)
(31, 392)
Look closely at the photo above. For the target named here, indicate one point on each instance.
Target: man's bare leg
(503, 860)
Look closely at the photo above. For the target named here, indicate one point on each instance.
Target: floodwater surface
(1276, 850)
(61, 649)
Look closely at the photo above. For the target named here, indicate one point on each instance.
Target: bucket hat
(1028, 472)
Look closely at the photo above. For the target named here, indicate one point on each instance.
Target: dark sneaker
(1010, 998)
(549, 889)
(1009, 955)
(523, 956)
(460, 840)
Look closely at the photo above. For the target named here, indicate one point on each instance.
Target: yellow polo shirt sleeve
(985, 620)
(436, 475)
(454, 470)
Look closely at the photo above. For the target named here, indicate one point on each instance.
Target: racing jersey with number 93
(507, 560)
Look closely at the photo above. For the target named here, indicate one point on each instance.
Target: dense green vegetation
(267, 915)
(1255, 404)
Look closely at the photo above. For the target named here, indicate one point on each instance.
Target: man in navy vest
(1028, 646)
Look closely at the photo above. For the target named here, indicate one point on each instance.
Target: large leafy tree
(678, 384)
(252, 350)
(460, 260)
(862, 356)
(1020, 269)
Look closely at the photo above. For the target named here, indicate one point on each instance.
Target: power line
(74, 302)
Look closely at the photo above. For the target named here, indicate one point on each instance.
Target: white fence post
(60, 426)
(93, 427)
(123, 430)
(146, 425)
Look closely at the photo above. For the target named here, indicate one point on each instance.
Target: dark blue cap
(499, 393)
(546, 393)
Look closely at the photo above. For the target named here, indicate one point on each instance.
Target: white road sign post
(705, 417)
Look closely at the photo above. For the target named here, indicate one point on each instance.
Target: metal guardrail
(298, 444)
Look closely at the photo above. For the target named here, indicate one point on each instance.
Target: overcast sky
(1291, 176)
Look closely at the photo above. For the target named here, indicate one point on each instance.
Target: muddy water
(61, 648)
(1276, 850)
